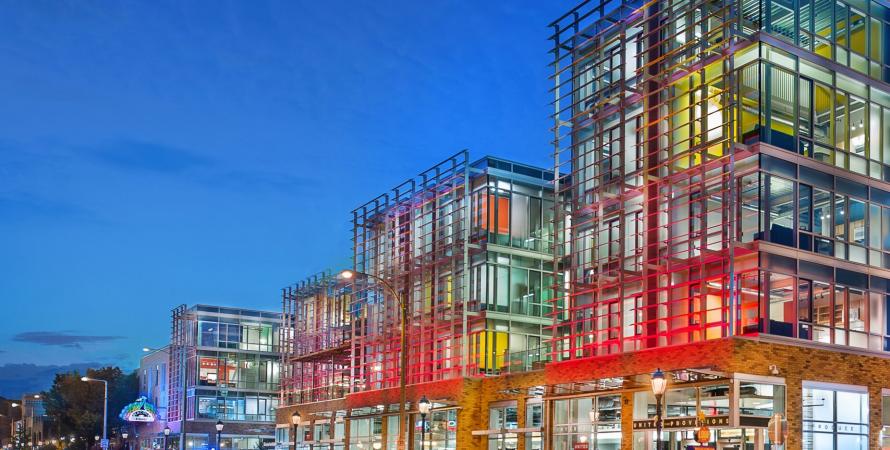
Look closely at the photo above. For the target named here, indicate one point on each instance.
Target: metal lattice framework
(644, 105)
(315, 340)
(414, 237)
(182, 356)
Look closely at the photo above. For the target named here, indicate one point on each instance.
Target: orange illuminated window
(499, 216)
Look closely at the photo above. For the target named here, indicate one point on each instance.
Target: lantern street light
(166, 435)
(403, 347)
(659, 384)
(125, 435)
(219, 428)
(424, 407)
(295, 419)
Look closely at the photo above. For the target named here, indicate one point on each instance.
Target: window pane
(840, 224)
(822, 212)
(857, 221)
(823, 103)
(806, 199)
(781, 210)
(856, 307)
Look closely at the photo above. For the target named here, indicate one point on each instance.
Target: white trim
(835, 386)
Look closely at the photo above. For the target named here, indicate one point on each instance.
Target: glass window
(594, 420)
(857, 221)
(804, 205)
(834, 418)
(841, 122)
(823, 131)
(781, 305)
(781, 108)
(760, 399)
(822, 212)
(781, 210)
(840, 223)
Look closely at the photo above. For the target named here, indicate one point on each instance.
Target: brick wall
(743, 355)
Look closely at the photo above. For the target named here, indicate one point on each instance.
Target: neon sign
(139, 411)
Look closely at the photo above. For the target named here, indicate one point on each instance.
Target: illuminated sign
(682, 422)
(139, 411)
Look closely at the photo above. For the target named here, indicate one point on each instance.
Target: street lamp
(125, 435)
(423, 406)
(659, 384)
(166, 435)
(219, 428)
(104, 409)
(295, 419)
(403, 341)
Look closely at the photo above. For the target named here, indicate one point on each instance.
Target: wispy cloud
(61, 339)
(141, 156)
(162, 159)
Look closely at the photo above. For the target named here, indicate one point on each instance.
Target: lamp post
(166, 435)
(403, 347)
(424, 407)
(104, 409)
(219, 428)
(14, 429)
(659, 384)
(295, 419)
(125, 435)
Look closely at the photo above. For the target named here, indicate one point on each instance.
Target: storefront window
(595, 420)
(760, 399)
(363, 432)
(392, 432)
(834, 418)
(441, 430)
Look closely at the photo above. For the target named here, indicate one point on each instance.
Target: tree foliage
(75, 406)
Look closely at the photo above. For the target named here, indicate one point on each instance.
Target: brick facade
(752, 356)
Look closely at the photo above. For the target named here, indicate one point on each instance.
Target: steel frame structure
(646, 157)
(416, 238)
(315, 340)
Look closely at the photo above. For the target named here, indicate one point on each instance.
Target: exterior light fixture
(659, 385)
(219, 428)
(424, 407)
(347, 274)
(295, 419)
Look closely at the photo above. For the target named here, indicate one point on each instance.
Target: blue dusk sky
(158, 153)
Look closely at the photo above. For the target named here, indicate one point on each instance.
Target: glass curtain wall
(821, 213)
(801, 107)
(853, 33)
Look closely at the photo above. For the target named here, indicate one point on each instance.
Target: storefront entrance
(721, 439)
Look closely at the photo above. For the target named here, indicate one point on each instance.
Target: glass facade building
(224, 365)
(466, 246)
(719, 208)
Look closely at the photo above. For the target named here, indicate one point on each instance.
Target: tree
(76, 406)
